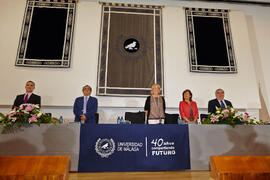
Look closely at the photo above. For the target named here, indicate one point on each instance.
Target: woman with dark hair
(155, 106)
(188, 109)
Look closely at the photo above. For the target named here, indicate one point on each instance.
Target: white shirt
(85, 104)
(86, 97)
(29, 94)
(223, 102)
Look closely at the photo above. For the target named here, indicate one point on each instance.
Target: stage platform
(164, 175)
(204, 141)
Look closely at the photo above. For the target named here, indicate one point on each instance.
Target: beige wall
(58, 87)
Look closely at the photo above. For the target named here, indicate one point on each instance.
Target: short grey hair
(219, 89)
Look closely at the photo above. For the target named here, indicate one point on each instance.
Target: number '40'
(157, 142)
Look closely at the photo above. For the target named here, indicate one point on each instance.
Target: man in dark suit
(218, 102)
(85, 107)
(28, 97)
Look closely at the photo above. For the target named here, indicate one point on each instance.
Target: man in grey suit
(218, 102)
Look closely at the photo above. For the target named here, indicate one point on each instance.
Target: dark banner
(130, 59)
(131, 51)
(105, 148)
(210, 41)
(47, 34)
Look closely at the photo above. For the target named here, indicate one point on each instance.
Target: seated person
(218, 102)
(188, 109)
(85, 107)
(28, 97)
(155, 106)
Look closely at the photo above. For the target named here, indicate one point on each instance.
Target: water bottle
(61, 119)
(199, 121)
(118, 120)
(179, 120)
(122, 120)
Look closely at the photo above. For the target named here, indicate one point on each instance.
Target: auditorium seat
(135, 117)
(97, 117)
(171, 118)
(203, 116)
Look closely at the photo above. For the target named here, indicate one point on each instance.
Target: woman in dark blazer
(155, 106)
(188, 109)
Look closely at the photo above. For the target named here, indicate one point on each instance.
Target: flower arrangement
(230, 116)
(25, 114)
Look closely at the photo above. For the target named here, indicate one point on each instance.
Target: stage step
(240, 167)
(34, 167)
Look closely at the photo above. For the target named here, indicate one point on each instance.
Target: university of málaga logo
(131, 45)
(105, 147)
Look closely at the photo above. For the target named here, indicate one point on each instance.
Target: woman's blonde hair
(153, 86)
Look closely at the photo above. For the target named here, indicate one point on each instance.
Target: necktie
(84, 105)
(222, 105)
(25, 98)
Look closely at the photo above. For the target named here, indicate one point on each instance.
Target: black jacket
(214, 102)
(34, 99)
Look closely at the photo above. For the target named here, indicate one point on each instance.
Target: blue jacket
(91, 109)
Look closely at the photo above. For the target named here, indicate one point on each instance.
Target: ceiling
(259, 2)
(165, 2)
